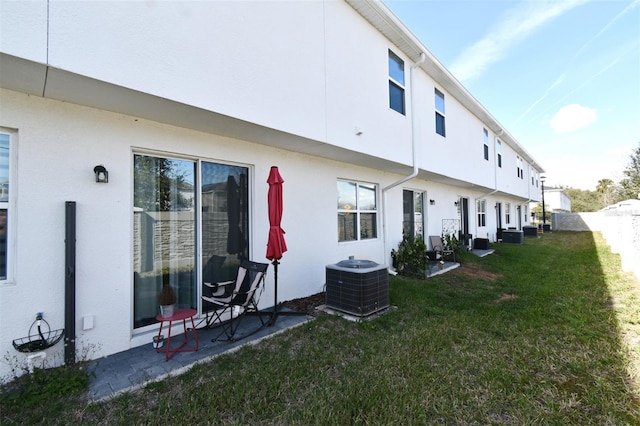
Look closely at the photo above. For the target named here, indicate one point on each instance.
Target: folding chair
(438, 247)
(237, 298)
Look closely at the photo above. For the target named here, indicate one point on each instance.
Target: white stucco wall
(23, 29)
(58, 146)
(314, 70)
(243, 59)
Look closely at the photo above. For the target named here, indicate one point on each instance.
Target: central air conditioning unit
(357, 287)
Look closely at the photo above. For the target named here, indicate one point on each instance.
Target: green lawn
(543, 333)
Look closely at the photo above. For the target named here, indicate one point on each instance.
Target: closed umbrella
(276, 244)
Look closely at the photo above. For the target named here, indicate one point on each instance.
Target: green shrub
(452, 243)
(410, 259)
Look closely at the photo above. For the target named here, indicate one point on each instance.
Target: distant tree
(629, 187)
(159, 185)
(584, 200)
(606, 189)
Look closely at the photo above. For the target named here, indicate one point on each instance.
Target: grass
(543, 333)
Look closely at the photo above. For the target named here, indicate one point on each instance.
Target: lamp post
(544, 213)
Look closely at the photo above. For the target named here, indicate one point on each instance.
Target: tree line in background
(607, 191)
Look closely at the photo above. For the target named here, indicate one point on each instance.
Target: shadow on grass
(541, 328)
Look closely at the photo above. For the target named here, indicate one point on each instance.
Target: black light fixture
(102, 175)
(432, 202)
(455, 203)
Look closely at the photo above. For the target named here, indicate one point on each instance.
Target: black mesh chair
(235, 299)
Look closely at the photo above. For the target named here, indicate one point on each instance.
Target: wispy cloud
(607, 66)
(518, 24)
(624, 51)
(558, 81)
(626, 10)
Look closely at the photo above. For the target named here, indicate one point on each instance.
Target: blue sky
(562, 76)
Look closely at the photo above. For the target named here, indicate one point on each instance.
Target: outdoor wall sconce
(432, 202)
(455, 203)
(102, 175)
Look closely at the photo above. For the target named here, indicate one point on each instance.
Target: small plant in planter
(167, 300)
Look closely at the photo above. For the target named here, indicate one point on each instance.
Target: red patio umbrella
(276, 244)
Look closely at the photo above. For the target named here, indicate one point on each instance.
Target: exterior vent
(357, 287)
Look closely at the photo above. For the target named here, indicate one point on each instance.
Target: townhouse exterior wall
(99, 82)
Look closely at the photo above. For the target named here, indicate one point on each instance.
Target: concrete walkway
(433, 269)
(132, 369)
(482, 253)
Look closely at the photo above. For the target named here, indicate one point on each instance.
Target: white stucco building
(557, 200)
(188, 105)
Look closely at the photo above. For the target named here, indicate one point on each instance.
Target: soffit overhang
(37, 79)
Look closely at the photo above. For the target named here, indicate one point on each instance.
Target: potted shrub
(167, 300)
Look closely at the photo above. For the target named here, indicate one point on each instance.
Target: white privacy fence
(619, 225)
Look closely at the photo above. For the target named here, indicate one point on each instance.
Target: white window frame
(499, 152)
(399, 84)
(481, 209)
(359, 211)
(439, 94)
(520, 171)
(9, 207)
(507, 213)
(485, 140)
(418, 214)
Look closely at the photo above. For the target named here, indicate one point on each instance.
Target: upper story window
(485, 139)
(482, 212)
(499, 152)
(440, 125)
(357, 211)
(520, 170)
(396, 83)
(5, 177)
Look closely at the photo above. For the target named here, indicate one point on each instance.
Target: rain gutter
(414, 152)
(495, 179)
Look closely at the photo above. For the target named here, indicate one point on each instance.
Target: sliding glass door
(413, 213)
(225, 220)
(167, 229)
(164, 242)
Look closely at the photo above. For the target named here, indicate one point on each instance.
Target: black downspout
(70, 284)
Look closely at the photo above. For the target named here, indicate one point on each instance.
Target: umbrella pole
(275, 264)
